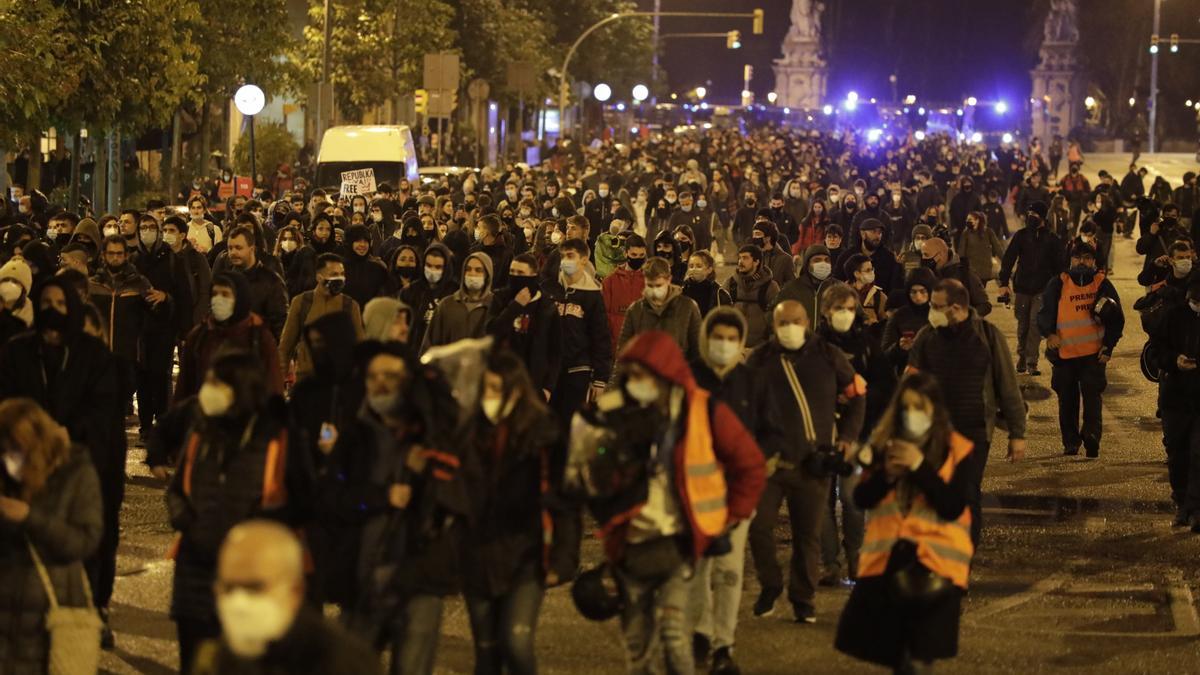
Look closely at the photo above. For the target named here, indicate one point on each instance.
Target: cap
(426, 200)
(870, 224)
(922, 230)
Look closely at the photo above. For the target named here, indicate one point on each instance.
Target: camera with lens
(828, 461)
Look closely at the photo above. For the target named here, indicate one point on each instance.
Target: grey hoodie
(678, 316)
(462, 314)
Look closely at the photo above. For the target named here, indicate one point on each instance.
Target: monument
(800, 76)
(1059, 87)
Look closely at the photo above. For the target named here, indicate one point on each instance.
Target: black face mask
(409, 272)
(335, 286)
(529, 283)
(635, 263)
(52, 319)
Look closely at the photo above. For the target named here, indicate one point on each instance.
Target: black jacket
(586, 340)
(312, 646)
(167, 273)
(862, 349)
(268, 297)
(532, 332)
(299, 270)
(707, 294)
(366, 277)
(1180, 336)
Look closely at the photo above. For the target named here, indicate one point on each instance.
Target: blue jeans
(415, 634)
(654, 623)
(503, 628)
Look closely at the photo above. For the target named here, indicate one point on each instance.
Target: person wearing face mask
(813, 275)
(896, 212)
(16, 309)
(713, 606)
(807, 376)
(1082, 321)
(978, 246)
(871, 210)
(861, 274)
(669, 248)
(663, 307)
(693, 219)
(587, 343)
(366, 275)
(489, 240)
(937, 256)
(51, 509)
(195, 265)
(527, 323)
(1035, 251)
(964, 202)
(327, 298)
(1154, 243)
(299, 260)
(795, 202)
(408, 233)
(463, 314)
(237, 464)
(599, 211)
(969, 356)
(842, 325)
(229, 325)
(404, 270)
(74, 378)
(775, 251)
(701, 284)
(265, 624)
(624, 285)
(744, 218)
(904, 611)
(910, 315)
(520, 537)
(676, 432)
(1176, 351)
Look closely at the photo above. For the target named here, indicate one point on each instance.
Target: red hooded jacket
(736, 450)
(621, 289)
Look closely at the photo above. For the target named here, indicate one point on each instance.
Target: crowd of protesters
(385, 401)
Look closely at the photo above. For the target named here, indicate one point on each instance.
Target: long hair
(529, 407)
(938, 440)
(25, 426)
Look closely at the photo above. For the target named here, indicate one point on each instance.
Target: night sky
(941, 50)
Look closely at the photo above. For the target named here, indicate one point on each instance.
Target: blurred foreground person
(265, 626)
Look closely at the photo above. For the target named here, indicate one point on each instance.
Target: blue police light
(874, 135)
(1001, 107)
(828, 109)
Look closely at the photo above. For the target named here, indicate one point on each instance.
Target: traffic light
(1174, 43)
(421, 101)
(733, 39)
(758, 22)
(748, 73)
(1154, 43)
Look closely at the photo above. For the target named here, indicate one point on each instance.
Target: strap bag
(74, 631)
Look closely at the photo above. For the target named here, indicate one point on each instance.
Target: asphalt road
(1079, 570)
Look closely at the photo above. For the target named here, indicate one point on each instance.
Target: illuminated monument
(800, 76)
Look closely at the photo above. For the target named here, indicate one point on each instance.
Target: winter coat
(678, 317)
(961, 270)
(1037, 254)
(779, 261)
(320, 303)
(65, 525)
(532, 332)
(753, 295)
(587, 344)
(461, 314)
(268, 296)
(620, 290)
(978, 246)
(121, 299)
(707, 294)
(366, 277)
(200, 276)
(806, 289)
(861, 348)
(313, 645)
(167, 273)
(299, 270)
(211, 337)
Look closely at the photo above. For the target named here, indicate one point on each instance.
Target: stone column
(1059, 86)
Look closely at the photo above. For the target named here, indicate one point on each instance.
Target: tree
(378, 48)
(40, 69)
(619, 53)
(500, 34)
(273, 145)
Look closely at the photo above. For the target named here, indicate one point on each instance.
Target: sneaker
(832, 579)
(1181, 518)
(804, 612)
(723, 663)
(765, 605)
(1071, 451)
(701, 649)
(1092, 453)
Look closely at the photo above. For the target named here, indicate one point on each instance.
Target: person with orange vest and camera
(916, 554)
(1082, 321)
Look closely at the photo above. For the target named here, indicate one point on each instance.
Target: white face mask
(288, 245)
(603, 192)
(170, 238)
(111, 231)
(723, 352)
(867, 278)
(1195, 305)
(251, 621)
(701, 204)
(791, 336)
(376, 217)
(491, 408)
(222, 307)
(10, 291)
(568, 267)
(644, 391)
(473, 282)
(528, 233)
(821, 270)
(215, 400)
(149, 237)
(1182, 267)
(656, 294)
(916, 423)
(919, 245)
(14, 465)
(433, 276)
(556, 237)
(842, 320)
(938, 318)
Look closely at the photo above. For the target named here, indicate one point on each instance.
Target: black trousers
(1181, 434)
(154, 377)
(807, 499)
(192, 632)
(1079, 379)
(569, 395)
(102, 566)
(974, 466)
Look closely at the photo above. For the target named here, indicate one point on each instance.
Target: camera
(827, 461)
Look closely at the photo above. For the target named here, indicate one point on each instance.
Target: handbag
(911, 583)
(74, 631)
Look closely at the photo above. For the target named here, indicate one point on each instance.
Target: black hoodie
(366, 276)
(423, 296)
(678, 267)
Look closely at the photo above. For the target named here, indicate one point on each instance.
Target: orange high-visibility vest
(1080, 330)
(943, 546)
(703, 480)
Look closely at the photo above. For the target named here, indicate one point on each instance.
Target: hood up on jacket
(657, 352)
(333, 361)
(487, 273)
(88, 228)
(18, 270)
(379, 315)
(724, 314)
(814, 250)
(447, 255)
(74, 307)
(241, 289)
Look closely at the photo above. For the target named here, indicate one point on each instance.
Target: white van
(389, 150)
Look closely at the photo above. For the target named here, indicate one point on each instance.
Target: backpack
(1154, 307)
(306, 303)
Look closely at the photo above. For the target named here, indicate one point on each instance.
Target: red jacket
(736, 450)
(621, 289)
(202, 344)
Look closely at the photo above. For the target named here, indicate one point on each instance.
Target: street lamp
(640, 92)
(700, 92)
(772, 97)
(602, 92)
(971, 100)
(249, 100)
(1089, 102)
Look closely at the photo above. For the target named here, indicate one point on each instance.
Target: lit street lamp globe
(249, 99)
(602, 92)
(640, 92)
